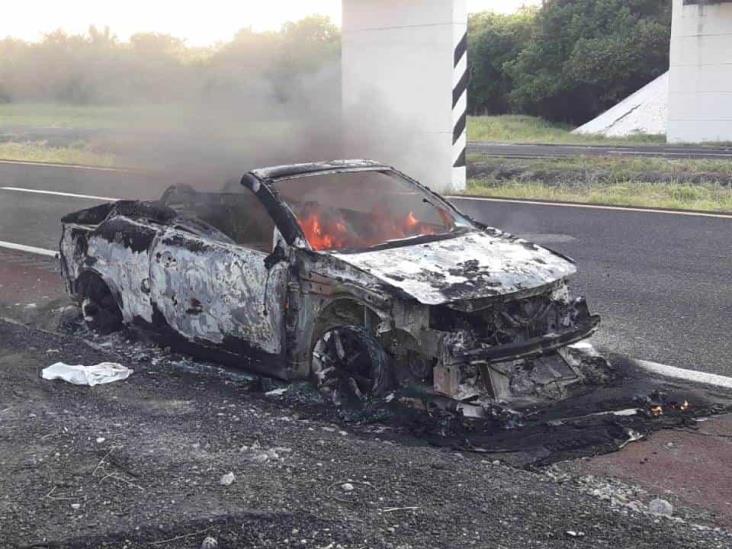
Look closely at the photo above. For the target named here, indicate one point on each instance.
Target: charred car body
(348, 273)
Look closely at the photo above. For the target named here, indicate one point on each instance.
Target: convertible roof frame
(260, 182)
(289, 171)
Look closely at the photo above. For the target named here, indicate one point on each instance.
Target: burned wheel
(99, 307)
(350, 366)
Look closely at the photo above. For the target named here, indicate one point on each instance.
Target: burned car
(348, 273)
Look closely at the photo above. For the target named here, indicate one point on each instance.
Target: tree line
(568, 60)
(98, 68)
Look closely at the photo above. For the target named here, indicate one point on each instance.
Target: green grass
(530, 129)
(584, 170)
(141, 117)
(710, 197)
(52, 115)
(687, 184)
(116, 125)
(39, 152)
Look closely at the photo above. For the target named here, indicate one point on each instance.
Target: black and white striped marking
(460, 107)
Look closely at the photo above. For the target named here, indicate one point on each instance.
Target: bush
(570, 60)
(495, 39)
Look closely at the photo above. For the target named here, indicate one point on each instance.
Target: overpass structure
(404, 71)
(692, 103)
(700, 79)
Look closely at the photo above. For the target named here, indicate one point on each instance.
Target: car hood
(472, 266)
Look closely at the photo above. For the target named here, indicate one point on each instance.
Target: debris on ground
(276, 392)
(661, 507)
(177, 430)
(98, 374)
(228, 479)
(209, 542)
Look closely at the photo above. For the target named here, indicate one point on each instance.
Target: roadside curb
(714, 214)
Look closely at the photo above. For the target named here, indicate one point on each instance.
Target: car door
(221, 294)
(118, 250)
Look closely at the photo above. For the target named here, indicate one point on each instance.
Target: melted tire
(350, 367)
(100, 310)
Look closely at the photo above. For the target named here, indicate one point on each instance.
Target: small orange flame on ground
(656, 411)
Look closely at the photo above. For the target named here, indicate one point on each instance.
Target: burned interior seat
(238, 215)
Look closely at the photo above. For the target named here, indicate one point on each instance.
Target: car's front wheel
(350, 366)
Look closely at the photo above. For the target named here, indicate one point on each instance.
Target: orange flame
(683, 407)
(412, 221)
(330, 231)
(313, 229)
(656, 411)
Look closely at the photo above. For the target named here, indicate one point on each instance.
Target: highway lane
(661, 281)
(81, 180)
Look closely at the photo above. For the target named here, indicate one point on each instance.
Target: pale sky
(200, 23)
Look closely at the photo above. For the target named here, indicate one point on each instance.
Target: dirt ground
(139, 463)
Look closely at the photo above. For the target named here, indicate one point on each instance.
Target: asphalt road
(519, 150)
(661, 281)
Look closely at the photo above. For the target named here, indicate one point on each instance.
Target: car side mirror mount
(277, 256)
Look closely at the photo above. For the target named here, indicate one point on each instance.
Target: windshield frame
(263, 184)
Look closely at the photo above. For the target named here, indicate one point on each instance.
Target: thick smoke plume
(207, 141)
(204, 116)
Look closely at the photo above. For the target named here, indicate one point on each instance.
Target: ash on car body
(348, 273)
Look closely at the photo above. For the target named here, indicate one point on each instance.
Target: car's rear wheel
(350, 366)
(99, 307)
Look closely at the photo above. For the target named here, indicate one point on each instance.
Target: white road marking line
(58, 193)
(672, 155)
(688, 375)
(28, 249)
(588, 206)
(67, 166)
(666, 370)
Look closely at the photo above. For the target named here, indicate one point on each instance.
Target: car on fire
(347, 273)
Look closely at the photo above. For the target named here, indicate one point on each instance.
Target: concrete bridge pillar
(700, 78)
(404, 70)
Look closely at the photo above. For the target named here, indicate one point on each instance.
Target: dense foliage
(570, 59)
(494, 41)
(97, 68)
(566, 61)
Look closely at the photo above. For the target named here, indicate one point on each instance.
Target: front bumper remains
(531, 347)
(525, 373)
